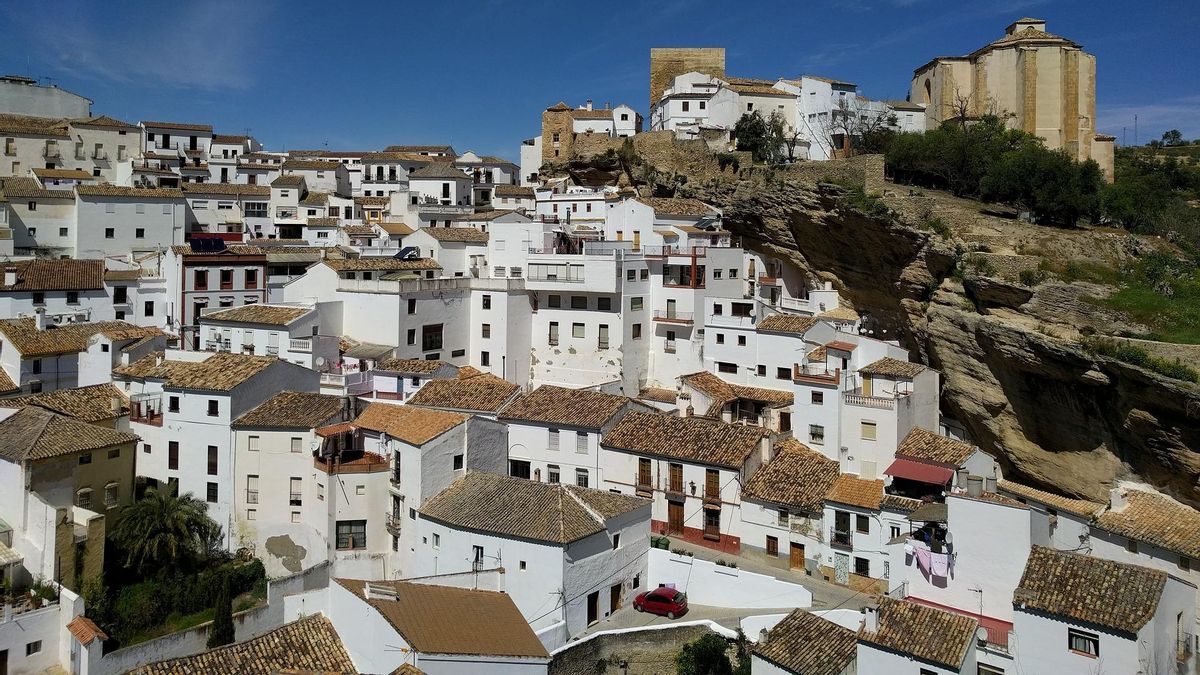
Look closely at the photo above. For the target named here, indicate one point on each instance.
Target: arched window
(83, 498)
(928, 91)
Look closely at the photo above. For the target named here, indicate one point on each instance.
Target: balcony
(869, 401)
(842, 540)
(712, 496)
(300, 345)
(146, 409)
(251, 496)
(675, 490)
(671, 316)
(394, 478)
(816, 373)
(765, 280)
(51, 152)
(100, 155)
(644, 486)
(669, 347)
(665, 251)
(392, 523)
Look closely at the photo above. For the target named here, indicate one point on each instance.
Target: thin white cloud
(1153, 119)
(205, 45)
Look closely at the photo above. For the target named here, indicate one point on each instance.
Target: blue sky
(476, 74)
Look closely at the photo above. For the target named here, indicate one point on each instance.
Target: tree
(1172, 138)
(1053, 186)
(705, 656)
(165, 533)
(222, 625)
(754, 134)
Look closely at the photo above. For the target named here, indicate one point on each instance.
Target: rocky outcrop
(1014, 370)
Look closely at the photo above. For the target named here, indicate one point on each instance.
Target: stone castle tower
(666, 63)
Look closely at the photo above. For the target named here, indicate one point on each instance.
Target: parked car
(663, 601)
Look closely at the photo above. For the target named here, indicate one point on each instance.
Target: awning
(934, 512)
(920, 471)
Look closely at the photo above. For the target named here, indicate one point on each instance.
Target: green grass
(1083, 270)
(177, 622)
(1140, 357)
(1174, 319)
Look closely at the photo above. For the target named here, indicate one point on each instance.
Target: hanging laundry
(939, 564)
(923, 559)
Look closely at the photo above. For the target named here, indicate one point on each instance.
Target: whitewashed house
(115, 220)
(859, 520)
(65, 291)
(804, 643)
(291, 332)
(36, 356)
(461, 251)
(893, 639)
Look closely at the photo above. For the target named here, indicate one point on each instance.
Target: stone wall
(668, 63)
(647, 652)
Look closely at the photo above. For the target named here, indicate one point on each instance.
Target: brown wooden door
(796, 558)
(674, 517)
(712, 484)
(772, 546)
(614, 598)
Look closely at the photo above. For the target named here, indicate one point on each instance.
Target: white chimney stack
(39, 318)
(870, 619)
(589, 104)
(10, 276)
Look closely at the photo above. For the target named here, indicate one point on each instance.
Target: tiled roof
(85, 630)
(797, 476)
(694, 439)
(1079, 507)
(527, 509)
(106, 190)
(787, 323)
(818, 355)
(178, 125)
(854, 491)
(415, 426)
(311, 164)
(439, 170)
(841, 345)
(419, 148)
(722, 392)
(93, 403)
(372, 201)
(72, 174)
(355, 230)
(395, 228)
(1156, 519)
(658, 395)
(1114, 595)
(594, 114)
(229, 139)
(274, 315)
(456, 234)
(324, 222)
(66, 338)
(446, 620)
(220, 372)
(288, 180)
(485, 216)
(309, 645)
(315, 199)
(481, 393)
(513, 191)
(898, 504)
(925, 445)
(566, 407)
(376, 264)
(33, 433)
(30, 188)
(677, 206)
(230, 250)
(932, 635)
(231, 189)
(7, 386)
(293, 410)
(758, 90)
(56, 275)
(806, 644)
(889, 367)
(411, 366)
(35, 126)
(840, 313)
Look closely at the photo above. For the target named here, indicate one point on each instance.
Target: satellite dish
(981, 634)
(320, 361)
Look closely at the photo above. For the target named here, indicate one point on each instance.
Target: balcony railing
(393, 523)
(300, 345)
(663, 251)
(251, 496)
(812, 372)
(870, 401)
(294, 499)
(840, 539)
(671, 316)
(51, 152)
(643, 484)
(100, 155)
(394, 478)
(712, 496)
(477, 565)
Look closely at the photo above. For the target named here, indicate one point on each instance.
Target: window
(720, 338)
(72, 297)
(726, 367)
(519, 468)
(412, 305)
(32, 648)
(635, 304)
(862, 567)
(487, 301)
(212, 493)
(577, 330)
(431, 337)
(552, 474)
(111, 495)
(579, 302)
(226, 279)
(200, 280)
(616, 541)
(412, 336)
(148, 308)
(554, 301)
(686, 107)
(604, 304)
(581, 477)
(437, 540)
(645, 274)
(761, 371)
(351, 535)
(741, 340)
(212, 460)
(818, 398)
(603, 341)
(33, 206)
(83, 498)
(486, 330)
(251, 278)
(867, 430)
(636, 331)
(139, 233)
(36, 366)
(173, 455)
(458, 353)
(1083, 643)
(816, 434)
(295, 488)
(485, 359)
(146, 448)
(1185, 563)
(985, 669)
(39, 298)
(85, 458)
(894, 531)
(581, 442)
(458, 462)
(630, 275)
(114, 453)
(862, 524)
(297, 444)
(1131, 546)
(173, 404)
(62, 231)
(214, 407)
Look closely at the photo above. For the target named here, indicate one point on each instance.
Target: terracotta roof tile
(805, 643)
(372, 201)
(221, 371)
(927, 446)
(71, 174)
(34, 126)
(677, 206)
(447, 620)
(288, 180)
(840, 313)
(293, 410)
(659, 395)
(797, 476)
(560, 406)
(85, 630)
(931, 635)
(33, 433)
(355, 230)
(485, 216)
(1114, 595)
(446, 149)
(30, 188)
(526, 509)
(841, 345)
(1156, 519)
(106, 190)
(413, 425)
(230, 189)
(787, 323)
(395, 228)
(274, 315)
(694, 439)
(481, 393)
(854, 491)
(66, 338)
(518, 191)
(311, 164)
(376, 264)
(438, 170)
(456, 234)
(1079, 507)
(723, 393)
(57, 275)
(229, 139)
(898, 504)
(179, 125)
(412, 366)
(94, 403)
(309, 644)
(890, 367)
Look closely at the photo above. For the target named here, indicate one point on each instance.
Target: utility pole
(1135, 135)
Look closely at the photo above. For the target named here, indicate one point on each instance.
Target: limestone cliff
(1013, 367)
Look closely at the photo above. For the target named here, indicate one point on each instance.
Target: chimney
(960, 480)
(989, 484)
(589, 104)
(131, 260)
(10, 276)
(158, 360)
(1116, 499)
(116, 405)
(689, 411)
(764, 447)
(870, 619)
(39, 318)
(974, 486)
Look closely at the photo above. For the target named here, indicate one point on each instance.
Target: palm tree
(165, 532)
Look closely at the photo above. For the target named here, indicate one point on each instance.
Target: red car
(664, 601)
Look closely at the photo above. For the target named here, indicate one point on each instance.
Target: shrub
(1032, 277)
(938, 226)
(728, 159)
(1134, 355)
